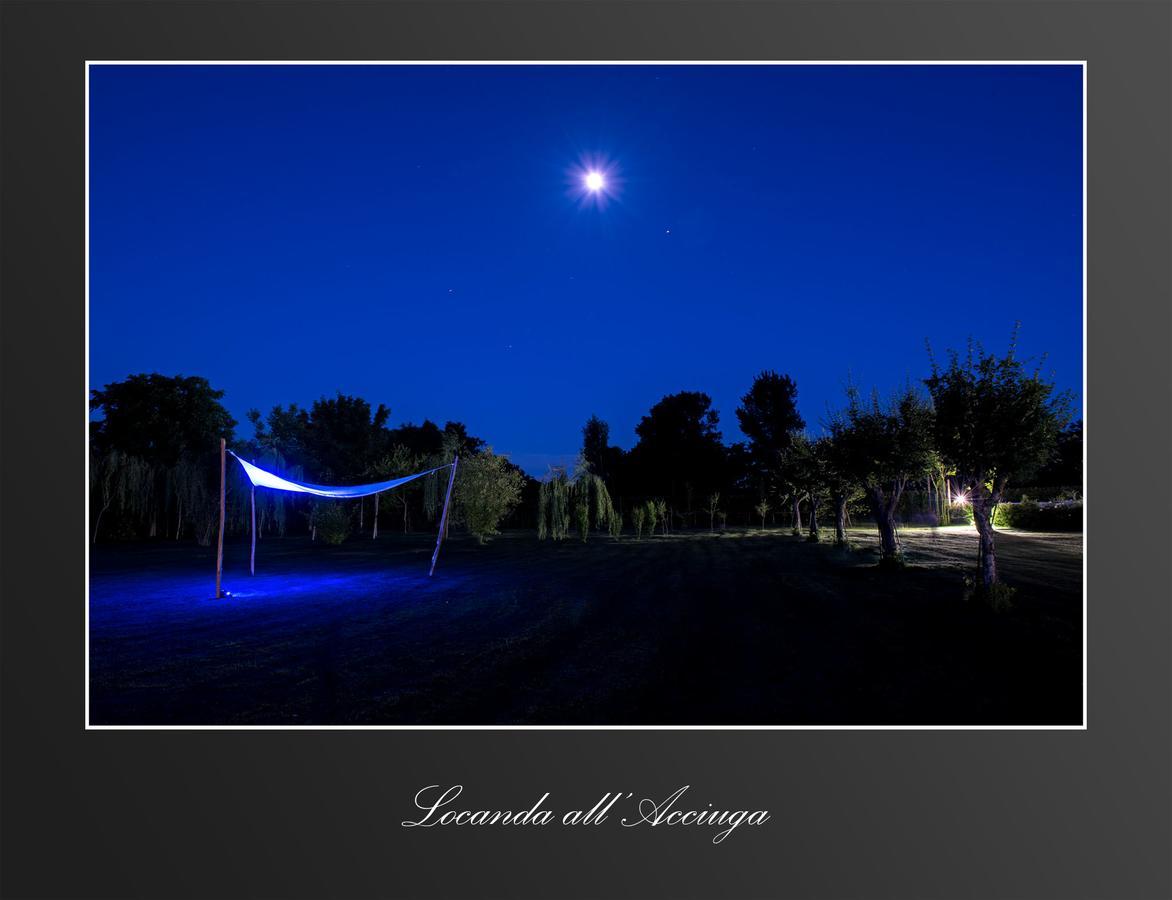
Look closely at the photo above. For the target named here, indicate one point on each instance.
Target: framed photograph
(518, 433)
(662, 506)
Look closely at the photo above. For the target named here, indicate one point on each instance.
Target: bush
(998, 596)
(651, 509)
(487, 489)
(332, 519)
(1031, 516)
(615, 523)
(961, 514)
(638, 519)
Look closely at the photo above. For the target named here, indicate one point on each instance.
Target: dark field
(745, 628)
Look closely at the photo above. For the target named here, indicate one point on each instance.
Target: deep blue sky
(411, 234)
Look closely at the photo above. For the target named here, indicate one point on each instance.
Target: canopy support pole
(444, 517)
(252, 558)
(220, 542)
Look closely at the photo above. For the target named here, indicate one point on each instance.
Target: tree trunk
(840, 520)
(797, 510)
(983, 504)
(815, 533)
(374, 536)
(884, 512)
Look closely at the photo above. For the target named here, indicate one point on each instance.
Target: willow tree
(885, 445)
(553, 507)
(995, 423)
(582, 499)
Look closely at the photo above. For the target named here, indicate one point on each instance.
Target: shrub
(651, 508)
(1031, 516)
(487, 489)
(762, 509)
(615, 523)
(661, 514)
(998, 596)
(961, 514)
(638, 519)
(332, 519)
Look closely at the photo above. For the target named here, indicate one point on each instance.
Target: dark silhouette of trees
(768, 416)
(679, 453)
(839, 483)
(883, 445)
(343, 435)
(160, 418)
(995, 423)
(595, 443)
(1064, 467)
(152, 452)
(806, 466)
(604, 460)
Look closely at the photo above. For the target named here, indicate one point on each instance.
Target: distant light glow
(595, 181)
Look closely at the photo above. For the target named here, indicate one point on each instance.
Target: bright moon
(594, 181)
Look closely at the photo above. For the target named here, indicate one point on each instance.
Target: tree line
(975, 426)
(154, 468)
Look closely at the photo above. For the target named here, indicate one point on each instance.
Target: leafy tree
(283, 434)
(768, 416)
(487, 488)
(161, 418)
(679, 445)
(995, 423)
(883, 446)
(397, 463)
(159, 437)
(344, 437)
(603, 459)
(841, 487)
(806, 464)
(762, 509)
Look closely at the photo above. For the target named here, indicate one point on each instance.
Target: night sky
(420, 236)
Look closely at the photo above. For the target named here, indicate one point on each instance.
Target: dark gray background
(315, 814)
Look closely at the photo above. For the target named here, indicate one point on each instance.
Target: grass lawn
(748, 628)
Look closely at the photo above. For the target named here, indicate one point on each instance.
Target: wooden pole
(444, 517)
(252, 558)
(220, 543)
(374, 537)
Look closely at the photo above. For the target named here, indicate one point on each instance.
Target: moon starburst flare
(594, 181)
